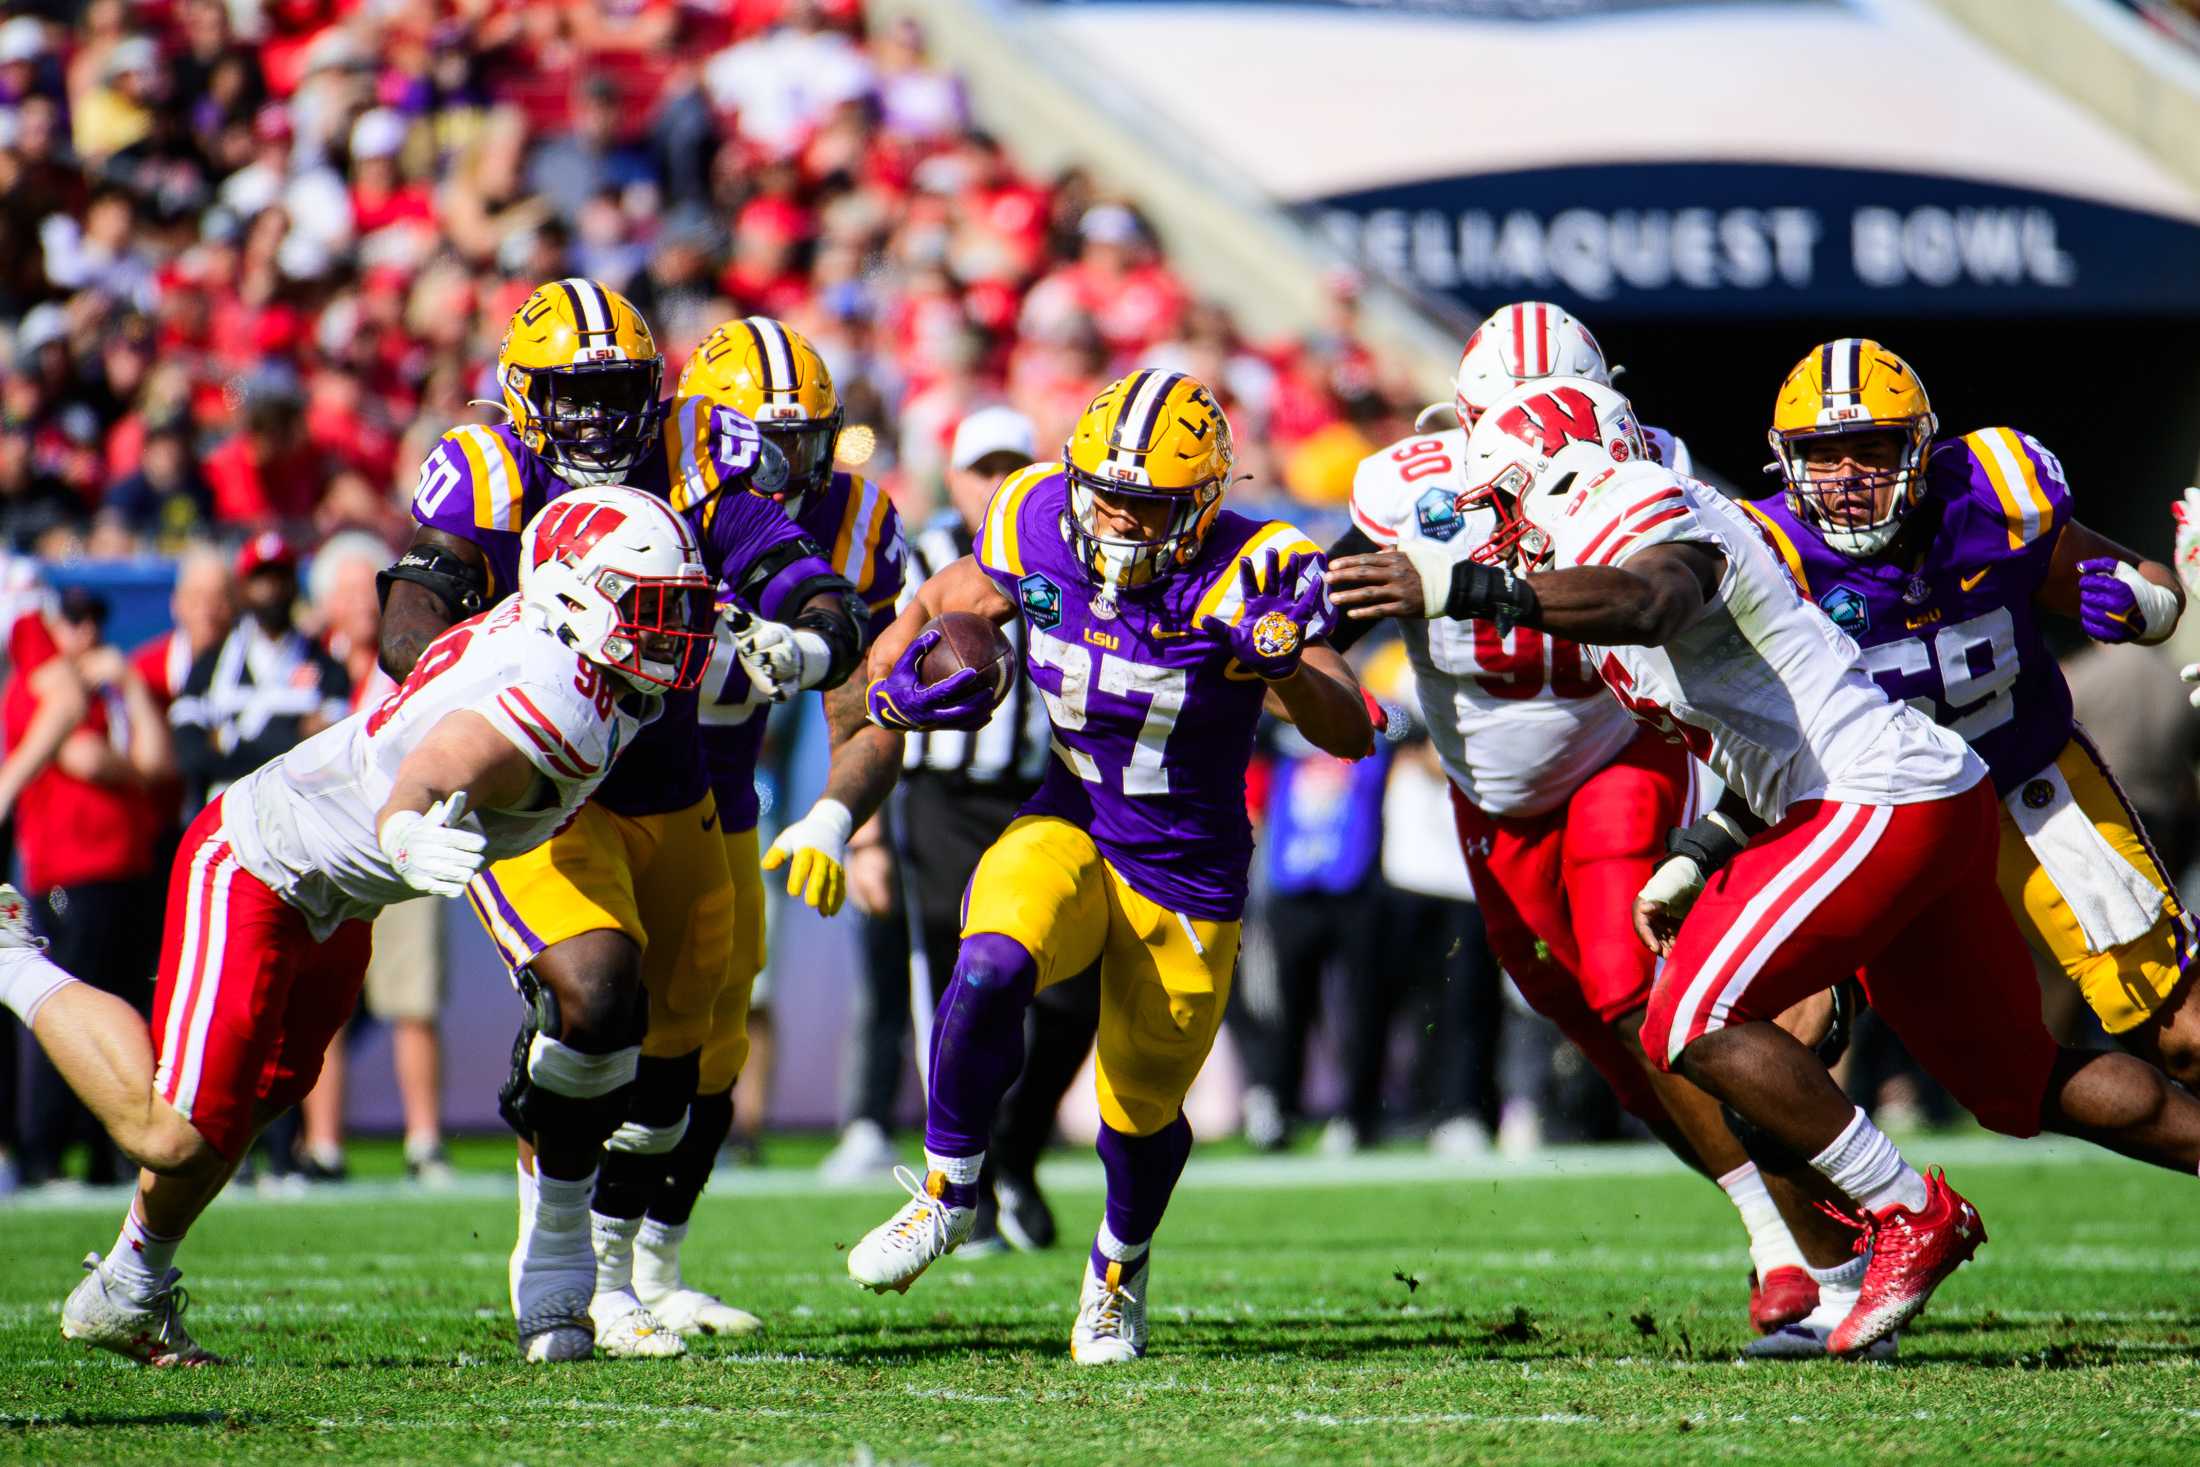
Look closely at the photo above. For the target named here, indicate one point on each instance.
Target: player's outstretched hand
(1384, 583)
(430, 850)
(904, 702)
(778, 665)
(1269, 635)
(2186, 512)
(1662, 904)
(815, 852)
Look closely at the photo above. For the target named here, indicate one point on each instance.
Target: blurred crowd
(255, 255)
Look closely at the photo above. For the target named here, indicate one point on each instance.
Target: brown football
(969, 640)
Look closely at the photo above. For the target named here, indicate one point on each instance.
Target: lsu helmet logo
(1847, 609)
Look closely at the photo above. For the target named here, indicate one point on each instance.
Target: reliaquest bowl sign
(1661, 239)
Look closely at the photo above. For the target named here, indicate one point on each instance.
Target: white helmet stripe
(777, 354)
(590, 306)
(1141, 416)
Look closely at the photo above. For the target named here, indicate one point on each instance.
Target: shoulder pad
(1389, 484)
(2012, 481)
(1000, 542)
(866, 542)
(471, 481)
(707, 446)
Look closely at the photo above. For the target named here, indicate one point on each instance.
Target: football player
(1562, 801)
(508, 722)
(1872, 844)
(1157, 624)
(619, 929)
(771, 375)
(1939, 558)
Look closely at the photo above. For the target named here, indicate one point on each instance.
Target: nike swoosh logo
(1971, 580)
(710, 821)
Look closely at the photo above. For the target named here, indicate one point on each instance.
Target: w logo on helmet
(1549, 421)
(571, 530)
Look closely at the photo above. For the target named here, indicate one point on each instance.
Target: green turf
(1521, 1321)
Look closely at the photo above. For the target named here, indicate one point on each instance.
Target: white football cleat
(893, 1254)
(1111, 1315)
(149, 1331)
(559, 1329)
(687, 1311)
(627, 1330)
(1805, 1341)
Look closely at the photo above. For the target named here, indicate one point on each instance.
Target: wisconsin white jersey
(1762, 687)
(305, 823)
(1518, 722)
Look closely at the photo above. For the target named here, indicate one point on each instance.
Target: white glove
(430, 850)
(780, 660)
(2186, 556)
(817, 844)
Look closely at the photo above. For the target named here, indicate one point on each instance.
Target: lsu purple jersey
(482, 485)
(1946, 615)
(856, 525)
(1152, 721)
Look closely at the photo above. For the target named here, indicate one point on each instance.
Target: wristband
(1711, 842)
(2157, 605)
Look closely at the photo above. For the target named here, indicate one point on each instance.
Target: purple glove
(1270, 632)
(904, 702)
(2108, 605)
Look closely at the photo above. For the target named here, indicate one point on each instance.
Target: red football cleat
(1785, 1296)
(1912, 1254)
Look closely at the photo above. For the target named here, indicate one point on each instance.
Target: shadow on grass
(93, 1420)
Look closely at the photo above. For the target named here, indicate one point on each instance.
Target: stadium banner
(1689, 239)
(1651, 159)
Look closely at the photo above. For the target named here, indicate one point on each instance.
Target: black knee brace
(556, 1090)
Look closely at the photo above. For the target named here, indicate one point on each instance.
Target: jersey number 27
(1123, 678)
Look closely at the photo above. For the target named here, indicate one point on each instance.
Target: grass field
(1587, 1311)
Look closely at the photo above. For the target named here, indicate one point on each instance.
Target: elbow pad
(463, 589)
(776, 580)
(835, 624)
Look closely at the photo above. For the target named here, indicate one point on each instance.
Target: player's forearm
(463, 754)
(152, 748)
(1613, 607)
(866, 759)
(1322, 699)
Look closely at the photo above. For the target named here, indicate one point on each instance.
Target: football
(969, 640)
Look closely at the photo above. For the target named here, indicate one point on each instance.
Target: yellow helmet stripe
(1780, 542)
(775, 353)
(2023, 503)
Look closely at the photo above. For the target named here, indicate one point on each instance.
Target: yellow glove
(815, 852)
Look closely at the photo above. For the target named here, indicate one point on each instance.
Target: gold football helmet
(769, 373)
(580, 374)
(1151, 437)
(1853, 387)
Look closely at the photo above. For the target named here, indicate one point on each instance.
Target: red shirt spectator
(68, 829)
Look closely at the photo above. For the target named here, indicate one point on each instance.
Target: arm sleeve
(1345, 633)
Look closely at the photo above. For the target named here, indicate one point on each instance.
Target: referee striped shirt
(1009, 752)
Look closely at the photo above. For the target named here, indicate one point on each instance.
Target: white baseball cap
(22, 39)
(992, 430)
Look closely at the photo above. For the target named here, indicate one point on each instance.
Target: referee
(958, 792)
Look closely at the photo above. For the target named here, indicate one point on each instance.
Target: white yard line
(1079, 1174)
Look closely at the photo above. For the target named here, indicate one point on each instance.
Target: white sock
(562, 1206)
(657, 1256)
(613, 1240)
(1771, 1245)
(27, 979)
(961, 1170)
(141, 1257)
(1115, 1248)
(1865, 1166)
(1838, 1290)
